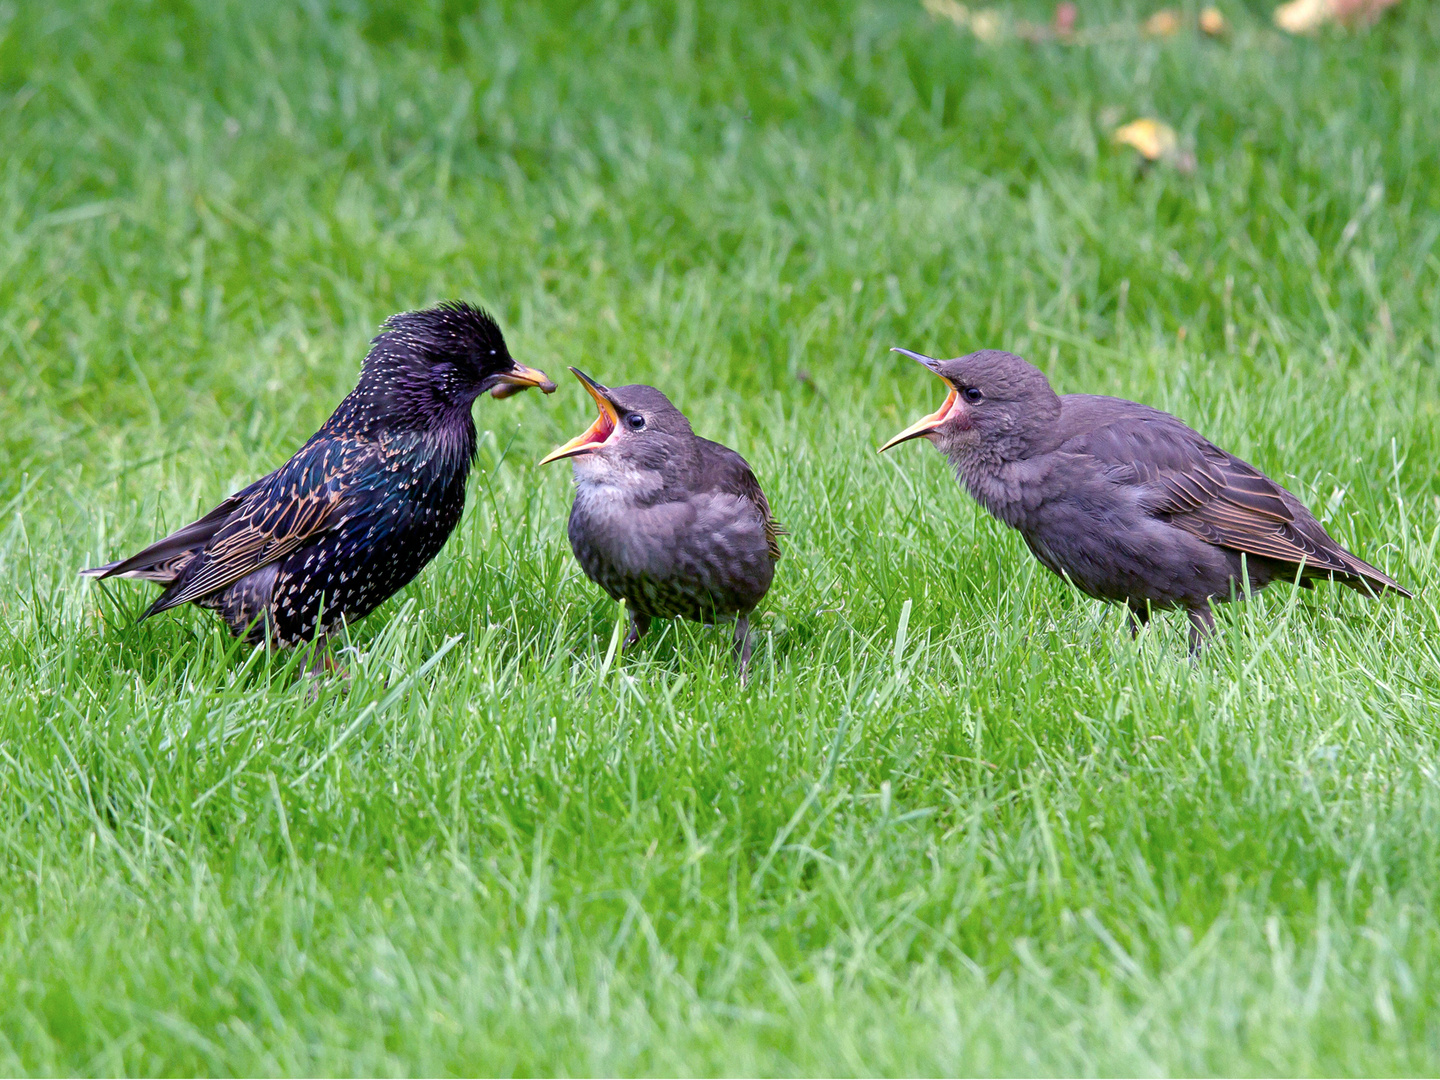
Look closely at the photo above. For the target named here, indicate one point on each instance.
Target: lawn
(958, 821)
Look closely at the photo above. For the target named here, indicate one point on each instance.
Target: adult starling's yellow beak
(521, 378)
(595, 435)
(925, 424)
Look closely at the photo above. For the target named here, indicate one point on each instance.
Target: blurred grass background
(959, 822)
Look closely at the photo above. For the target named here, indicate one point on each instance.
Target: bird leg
(742, 646)
(1202, 625)
(1139, 616)
(639, 627)
(322, 663)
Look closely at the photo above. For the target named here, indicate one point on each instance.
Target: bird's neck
(989, 477)
(380, 405)
(617, 483)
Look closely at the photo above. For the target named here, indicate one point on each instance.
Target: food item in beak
(522, 378)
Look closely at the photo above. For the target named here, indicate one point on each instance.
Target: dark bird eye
(634, 421)
(972, 394)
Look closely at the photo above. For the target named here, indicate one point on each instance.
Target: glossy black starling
(1125, 501)
(673, 524)
(362, 506)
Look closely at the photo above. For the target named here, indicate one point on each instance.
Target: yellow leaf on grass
(1153, 138)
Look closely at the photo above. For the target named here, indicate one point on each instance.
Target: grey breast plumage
(704, 545)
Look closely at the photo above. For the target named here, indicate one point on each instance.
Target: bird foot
(639, 627)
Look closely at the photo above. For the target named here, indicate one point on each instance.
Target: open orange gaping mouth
(595, 435)
(926, 424)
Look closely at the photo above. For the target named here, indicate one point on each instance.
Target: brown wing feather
(728, 471)
(303, 499)
(164, 560)
(750, 488)
(1246, 511)
(1218, 497)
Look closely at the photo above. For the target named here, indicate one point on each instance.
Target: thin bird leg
(1139, 616)
(742, 646)
(639, 627)
(1202, 625)
(321, 668)
(322, 661)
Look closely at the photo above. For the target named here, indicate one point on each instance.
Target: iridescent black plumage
(363, 506)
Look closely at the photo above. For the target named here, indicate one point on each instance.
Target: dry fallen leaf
(1303, 16)
(1307, 16)
(1153, 138)
(1212, 22)
(1164, 23)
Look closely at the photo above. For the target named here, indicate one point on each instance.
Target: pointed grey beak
(926, 424)
(919, 358)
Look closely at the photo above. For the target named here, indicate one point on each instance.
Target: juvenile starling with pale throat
(362, 506)
(673, 524)
(1124, 500)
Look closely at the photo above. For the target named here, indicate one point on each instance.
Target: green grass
(959, 821)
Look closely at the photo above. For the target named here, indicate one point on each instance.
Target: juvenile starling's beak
(522, 377)
(595, 435)
(925, 425)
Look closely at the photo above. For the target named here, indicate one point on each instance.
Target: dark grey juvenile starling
(673, 524)
(1125, 501)
(362, 506)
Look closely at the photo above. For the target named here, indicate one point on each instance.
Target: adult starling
(1124, 500)
(362, 506)
(673, 524)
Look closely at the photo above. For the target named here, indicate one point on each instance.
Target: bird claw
(639, 626)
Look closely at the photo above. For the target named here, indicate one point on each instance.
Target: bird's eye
(972, 394)
(634, 421)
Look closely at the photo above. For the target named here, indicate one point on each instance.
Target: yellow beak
(595, 435)
(925, 424)
(512, 382)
